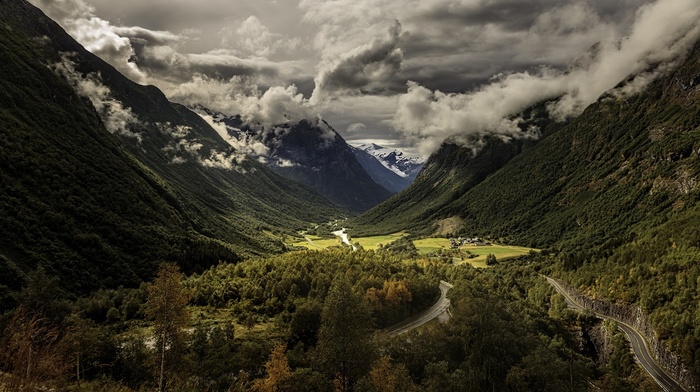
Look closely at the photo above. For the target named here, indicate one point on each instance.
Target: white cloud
(662, 32)
(95, 34)
(243, 143)
(116, 118)
(185, 147)
(252, 37)
(277, 105)
(356, 127)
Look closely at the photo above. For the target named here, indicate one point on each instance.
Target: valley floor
(431, 247)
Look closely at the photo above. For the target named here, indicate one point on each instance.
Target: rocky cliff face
(634, 316)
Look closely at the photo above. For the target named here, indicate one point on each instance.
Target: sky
(401, 73)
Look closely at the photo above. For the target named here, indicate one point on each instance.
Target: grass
(372, 243)
(210, 317)
(429, 245)
(368, 243)
(425, 246)
(317, 243)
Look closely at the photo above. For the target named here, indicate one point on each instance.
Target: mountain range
(388, 167)
(312, 153)
(103, 178)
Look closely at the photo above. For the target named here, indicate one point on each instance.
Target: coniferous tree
(344, 344)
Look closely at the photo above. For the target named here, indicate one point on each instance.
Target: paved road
(639, 345)
(438, 309)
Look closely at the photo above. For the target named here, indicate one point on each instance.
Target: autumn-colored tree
(383, 379)
(31, 351)
(167, 307)
(277, 372)
(397, 291)
(387, 377)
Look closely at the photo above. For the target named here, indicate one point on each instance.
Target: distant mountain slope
(389, 168)
(314, 154)
(394, 160)
(620, 162)
(99, 209)
(448, 175)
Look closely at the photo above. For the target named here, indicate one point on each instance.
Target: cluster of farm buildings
(476, 241)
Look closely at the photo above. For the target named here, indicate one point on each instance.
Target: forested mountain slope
(447, 176)
(613, 196)
(621, 162)
(618, 163)
(103, 178)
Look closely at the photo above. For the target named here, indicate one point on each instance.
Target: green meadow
(425, 246)
(368, 243)
(316, 243)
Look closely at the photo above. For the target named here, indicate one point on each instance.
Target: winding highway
(439, 308)
(637, 341)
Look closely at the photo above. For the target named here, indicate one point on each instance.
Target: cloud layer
(116, 118)
(661, 32)
(412, 72)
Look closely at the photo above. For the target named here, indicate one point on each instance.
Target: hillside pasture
(313, 242)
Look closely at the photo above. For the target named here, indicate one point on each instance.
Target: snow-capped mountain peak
(394, 160)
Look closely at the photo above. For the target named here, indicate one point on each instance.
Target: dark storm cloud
(466, 64)
(148, 37)
(368, 68)
(511, 15)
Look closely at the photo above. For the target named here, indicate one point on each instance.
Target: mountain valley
(148, 242)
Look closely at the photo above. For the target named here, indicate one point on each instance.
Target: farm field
(368, 243)
(426, 246)
(317, 243)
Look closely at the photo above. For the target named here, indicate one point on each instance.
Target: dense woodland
(311, 321)
(612, 197)
(120, 271)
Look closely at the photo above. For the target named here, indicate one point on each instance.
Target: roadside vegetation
(283, 323)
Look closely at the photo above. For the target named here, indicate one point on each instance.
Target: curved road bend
(439, 308)
(639, 345)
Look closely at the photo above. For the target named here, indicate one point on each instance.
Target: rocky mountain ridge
(310, 152)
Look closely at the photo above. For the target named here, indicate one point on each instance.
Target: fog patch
(116, 118)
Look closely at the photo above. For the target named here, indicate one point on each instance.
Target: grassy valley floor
(431, 247)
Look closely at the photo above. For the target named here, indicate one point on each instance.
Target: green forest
(127, 267)
(314, 321)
